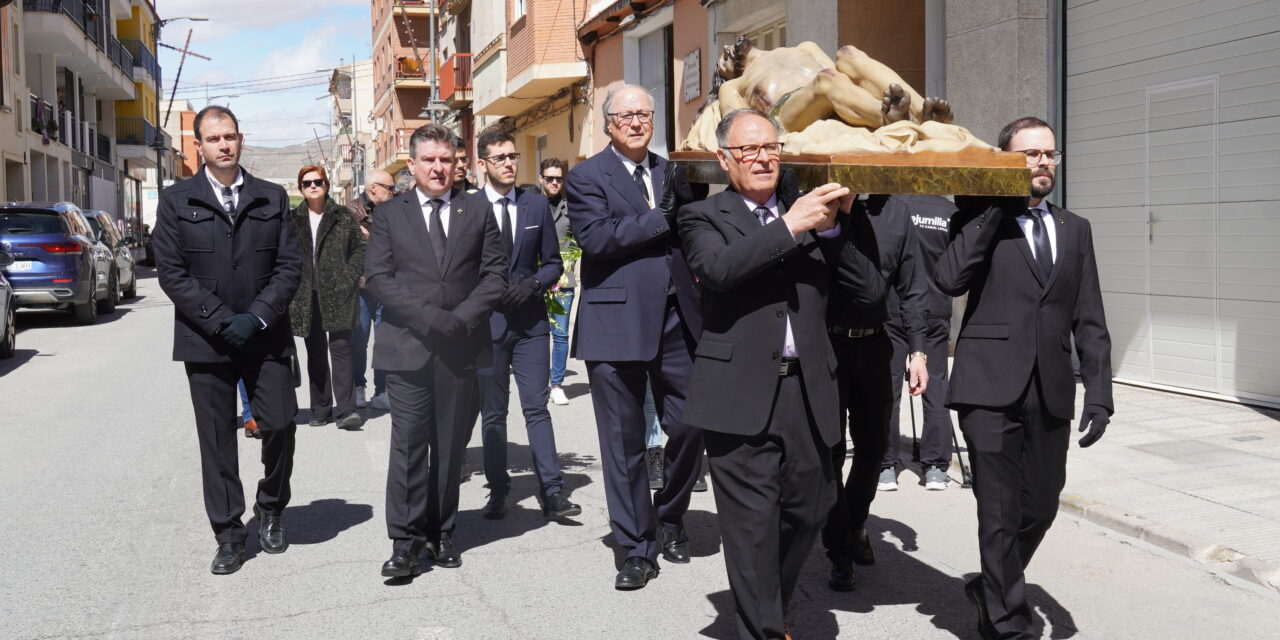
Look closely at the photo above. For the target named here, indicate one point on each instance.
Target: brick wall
(546, 34)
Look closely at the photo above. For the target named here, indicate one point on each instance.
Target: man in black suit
(1032, 282)
(764, 374)
(521, 334)
(227, 257)
(637, 322)
(436, 263)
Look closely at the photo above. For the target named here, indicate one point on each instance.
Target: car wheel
(86, 312)
(132, 291)
(108, 304)
(10, 341)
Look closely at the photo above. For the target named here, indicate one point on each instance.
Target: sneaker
(381, 402)
(558, 396)
(935, 479)
(888, 479)
(360, 401)
(350, 421)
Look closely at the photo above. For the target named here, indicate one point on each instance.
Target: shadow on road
(576, 389)
(49, 318)
(20, 357)
(320, 521)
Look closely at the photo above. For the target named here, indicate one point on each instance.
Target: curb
(1221, 558)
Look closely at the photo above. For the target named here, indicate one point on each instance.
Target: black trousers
(432, 410)
(1019, 458)
(773, 491)
(865, 400)
(936, 429)
(529, 357)
(336, 397)
(271, 397)
(617, 395)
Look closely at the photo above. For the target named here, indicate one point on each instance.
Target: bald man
(377, 189)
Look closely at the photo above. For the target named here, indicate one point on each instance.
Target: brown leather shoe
(251, 429)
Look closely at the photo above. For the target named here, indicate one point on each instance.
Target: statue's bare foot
(936, 109)
(896, 104)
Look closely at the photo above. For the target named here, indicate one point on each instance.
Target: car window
(80, 225)
(94, 225)
(29, 223)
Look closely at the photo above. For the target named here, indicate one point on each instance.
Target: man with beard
(1032, 280)
(461, 167)
(551, 179)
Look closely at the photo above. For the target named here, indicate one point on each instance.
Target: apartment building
(181, 116)
(14, 178)
(402, 72)
(143, 147)
(351, 92)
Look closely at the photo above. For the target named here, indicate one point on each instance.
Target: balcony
(453, 7)
(143, 58)
(103, 150)
(455, 81)
(415, 7)
(411, 74)
(80, 39)
(135, 132)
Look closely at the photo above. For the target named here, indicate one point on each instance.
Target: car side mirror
(5, 259)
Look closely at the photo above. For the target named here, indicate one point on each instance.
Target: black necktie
(1040, 240)
(508, 234)
(762, 214)
(638, 174)
(437, 230)
(228, 201)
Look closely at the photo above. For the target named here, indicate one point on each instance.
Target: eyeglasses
(390, 188)
(745, 151)
(553, 178)
(643, 117)
(307, 184)
(502, 159)
(1053, 156)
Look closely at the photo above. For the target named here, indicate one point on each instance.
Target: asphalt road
(105, 535)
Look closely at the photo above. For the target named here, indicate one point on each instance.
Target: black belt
(845, 332)
(789, 367)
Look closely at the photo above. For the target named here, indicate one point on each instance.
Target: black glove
(239, 329)
(1095, 420)
(520, 293)
(449, 325)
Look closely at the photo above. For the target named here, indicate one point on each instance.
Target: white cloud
(229, 16)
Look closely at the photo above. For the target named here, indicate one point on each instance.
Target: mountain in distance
(281, 164)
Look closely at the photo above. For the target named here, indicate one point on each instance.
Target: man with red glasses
(1032, 279)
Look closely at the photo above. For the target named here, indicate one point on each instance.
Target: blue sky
(276, 43)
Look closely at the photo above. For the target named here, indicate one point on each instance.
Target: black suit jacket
(753, 277)
(1013, 319)
(213, 266)
(535, 252)
(629, 255)
(401, 272)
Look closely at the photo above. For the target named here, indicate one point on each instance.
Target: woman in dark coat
(323, 311)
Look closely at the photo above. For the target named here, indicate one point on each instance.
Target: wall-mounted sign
(693, 75)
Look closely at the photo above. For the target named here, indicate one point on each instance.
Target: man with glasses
(551, 179)
(379, 188)
(764, 385)
(520, 333)
(637, 323)
(1032, 279)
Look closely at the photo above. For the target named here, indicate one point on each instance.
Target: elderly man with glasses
(637, 323)
(379, 188)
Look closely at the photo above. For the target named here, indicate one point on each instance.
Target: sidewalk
(1198, 477)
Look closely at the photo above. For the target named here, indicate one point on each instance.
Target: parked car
(8, 316)
(126, 272)
(57, 262)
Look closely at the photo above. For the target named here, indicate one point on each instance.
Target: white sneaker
(381, 401)
(558, 396)
(360, 401)
(888, 480)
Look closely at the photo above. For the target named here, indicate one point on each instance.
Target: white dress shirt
(236, 185)
(789, 342)
(631, 170)
(424, 200)
(1028, 228)
(495, 199)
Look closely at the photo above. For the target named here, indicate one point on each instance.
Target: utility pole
(185, 51)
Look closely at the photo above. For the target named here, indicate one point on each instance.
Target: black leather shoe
(557, 505)
(444, 554)
(402, 564)
(841, 578)
(636, 573)
(464, 469)
(701, 484)
(350, 421)
(228, 559)
(862, 552)
(270, 531)
(973, 589)
(653, 458)
(318, 422)
(495, 508)
(675, 546)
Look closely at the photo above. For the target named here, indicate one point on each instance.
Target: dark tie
(437, 230)
(508, 234)
(1040, 240)
(644, 190)
(228, 201)
(762, 214)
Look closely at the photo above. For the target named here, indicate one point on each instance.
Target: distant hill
(281, 164)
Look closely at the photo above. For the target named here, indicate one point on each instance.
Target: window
(517, 9)
(540, 147)
(770, 36)
(655, 75)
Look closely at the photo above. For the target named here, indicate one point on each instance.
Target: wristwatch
(919, 354)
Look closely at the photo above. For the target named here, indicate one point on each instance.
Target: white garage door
(1173, 153)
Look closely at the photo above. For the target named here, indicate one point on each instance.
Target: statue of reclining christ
(852, 104)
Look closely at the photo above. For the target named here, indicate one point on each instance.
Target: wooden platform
(967, 172)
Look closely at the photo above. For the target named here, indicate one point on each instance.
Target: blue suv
(58, 262)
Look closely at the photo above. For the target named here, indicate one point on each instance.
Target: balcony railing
(135, 131)
(120, 56)
(142, 57)
(42, 117)
(455, 76)
(91, 24)
(103, 150)
(408, 68)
